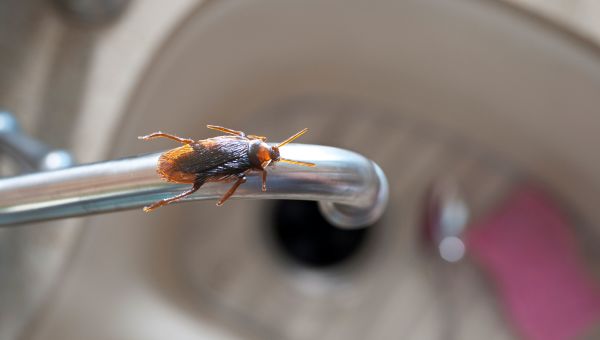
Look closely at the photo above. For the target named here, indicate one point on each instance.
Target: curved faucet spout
(351, 189)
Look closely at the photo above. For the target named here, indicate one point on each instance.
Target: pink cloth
(528, 249)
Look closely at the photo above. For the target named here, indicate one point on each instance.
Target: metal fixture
(352, 190)
(446, 217)
(31, 154)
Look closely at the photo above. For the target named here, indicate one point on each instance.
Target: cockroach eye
(274, 153)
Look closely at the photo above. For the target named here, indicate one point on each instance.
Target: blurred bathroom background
(484, 115)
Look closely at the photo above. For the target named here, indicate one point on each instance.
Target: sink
(474, 90)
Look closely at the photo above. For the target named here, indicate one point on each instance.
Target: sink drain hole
(304, 236)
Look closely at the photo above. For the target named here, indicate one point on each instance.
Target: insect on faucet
(352, 190)
(217, 159)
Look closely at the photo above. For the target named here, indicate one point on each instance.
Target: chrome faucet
(352, 191)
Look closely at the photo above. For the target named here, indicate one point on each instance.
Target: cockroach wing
(215, 158)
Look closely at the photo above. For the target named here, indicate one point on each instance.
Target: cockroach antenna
(287, 141)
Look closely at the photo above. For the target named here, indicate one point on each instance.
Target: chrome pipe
(31, 154)
(352, 191)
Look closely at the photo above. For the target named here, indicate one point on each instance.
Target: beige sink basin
(473, 89)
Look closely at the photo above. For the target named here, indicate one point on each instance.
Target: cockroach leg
(231, 191)
(169, 136)
(264, 180)
(166, 201)
(226, 130)
(261, 138)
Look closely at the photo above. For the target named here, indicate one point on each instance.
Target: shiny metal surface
(447, 217)
(30, 153)
(352, 189)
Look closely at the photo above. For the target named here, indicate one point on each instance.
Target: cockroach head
(274, 153)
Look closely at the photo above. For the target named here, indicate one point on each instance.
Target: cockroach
(217, 159)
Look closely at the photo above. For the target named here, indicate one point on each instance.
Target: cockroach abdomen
(169, 168)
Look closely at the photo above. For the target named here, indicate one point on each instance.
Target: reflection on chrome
(351, 189)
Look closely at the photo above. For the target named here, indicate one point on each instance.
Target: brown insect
(222, 158)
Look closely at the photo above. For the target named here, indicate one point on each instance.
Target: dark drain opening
(304, 236)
